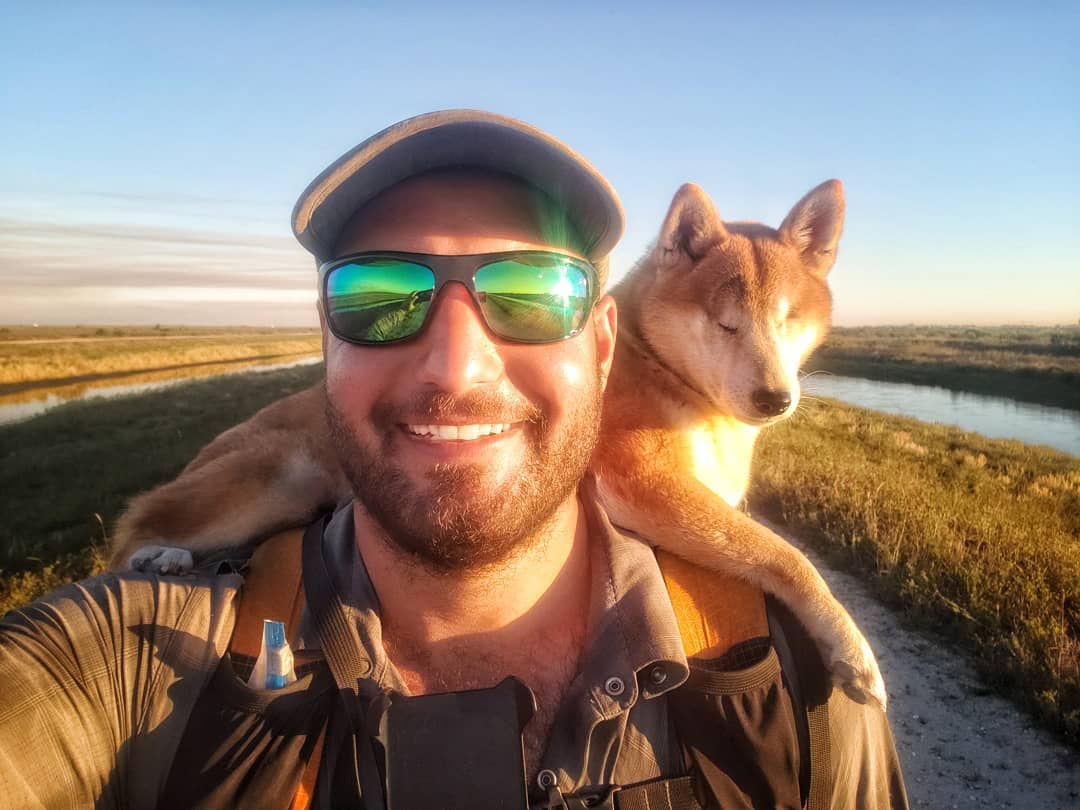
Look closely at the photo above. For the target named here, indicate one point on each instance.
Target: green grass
(1033, 364)
(977, 538)
(66, 475)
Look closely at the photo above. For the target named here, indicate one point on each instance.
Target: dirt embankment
(960, 746)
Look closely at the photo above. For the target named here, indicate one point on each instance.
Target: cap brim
(458, 139)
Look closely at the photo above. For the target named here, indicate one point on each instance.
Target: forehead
(758, 271)
(457, 212)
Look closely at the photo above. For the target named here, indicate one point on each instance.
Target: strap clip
(603, 799)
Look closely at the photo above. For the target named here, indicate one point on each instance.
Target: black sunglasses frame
(461, 268)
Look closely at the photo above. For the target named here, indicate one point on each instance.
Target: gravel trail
(960, 746)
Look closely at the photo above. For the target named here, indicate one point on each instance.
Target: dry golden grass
(81, 355)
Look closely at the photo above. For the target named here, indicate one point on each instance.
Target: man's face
(526, 417)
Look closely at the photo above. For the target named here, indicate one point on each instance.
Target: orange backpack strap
(274, 589)
(714, 612)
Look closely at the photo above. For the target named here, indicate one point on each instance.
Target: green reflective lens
(534, 298)
(379, 300)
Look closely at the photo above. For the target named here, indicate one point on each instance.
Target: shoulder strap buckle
(677, 793)
(603, 799)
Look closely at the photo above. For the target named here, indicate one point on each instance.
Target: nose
(770, 402)
(458, 351)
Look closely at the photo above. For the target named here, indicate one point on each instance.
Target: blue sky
(150, 154)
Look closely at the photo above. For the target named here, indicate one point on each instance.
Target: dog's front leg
(680, 515)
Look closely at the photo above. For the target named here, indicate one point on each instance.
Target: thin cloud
(166, 198)
(66, 273)
(213, 295)
(15, 231)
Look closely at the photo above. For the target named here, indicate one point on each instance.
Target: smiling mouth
(457, 432)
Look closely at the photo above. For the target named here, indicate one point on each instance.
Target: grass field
(1033, 364)
(38, 359)
(976, 538)
(65, 475)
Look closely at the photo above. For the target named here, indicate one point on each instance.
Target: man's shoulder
(131, 599)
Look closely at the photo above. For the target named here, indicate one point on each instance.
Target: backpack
(717, 616)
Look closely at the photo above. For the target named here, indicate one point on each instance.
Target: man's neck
(506, 607)
(526, 617)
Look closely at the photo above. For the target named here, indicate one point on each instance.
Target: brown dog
(714, 323)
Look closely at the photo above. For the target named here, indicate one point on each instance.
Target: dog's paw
(162, 559)
(855, 670)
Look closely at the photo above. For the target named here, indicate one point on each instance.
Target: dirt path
(960, 747)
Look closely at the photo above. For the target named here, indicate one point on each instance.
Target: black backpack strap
(678, 793)
(345, 656)
(809, 686)
(337, 635)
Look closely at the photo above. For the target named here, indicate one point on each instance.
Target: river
(991, 416)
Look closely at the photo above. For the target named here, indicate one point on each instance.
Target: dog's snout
(771, 402)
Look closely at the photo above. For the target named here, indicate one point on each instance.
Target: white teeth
(457, 432)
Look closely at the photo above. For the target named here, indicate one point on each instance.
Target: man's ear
(691, 227)
(605, 326)
(813, 227)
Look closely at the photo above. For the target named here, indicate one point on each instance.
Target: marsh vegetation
(1032, 364)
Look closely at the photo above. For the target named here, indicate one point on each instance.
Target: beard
(455, 519)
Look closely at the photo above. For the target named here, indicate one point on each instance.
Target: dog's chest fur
(718, 451)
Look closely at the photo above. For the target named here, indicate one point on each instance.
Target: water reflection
(28, 404)
(991, 416)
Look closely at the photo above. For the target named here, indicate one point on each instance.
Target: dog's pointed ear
(813, 227)
(691, 226)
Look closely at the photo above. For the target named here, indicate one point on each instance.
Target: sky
(151, 153)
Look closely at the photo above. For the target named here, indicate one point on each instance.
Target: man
(465, 418)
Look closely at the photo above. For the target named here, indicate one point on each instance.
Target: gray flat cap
(459, 139)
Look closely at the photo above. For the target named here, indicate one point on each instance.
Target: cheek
(571, 375)
(354, 376)
(341, 366)
(554, 380)
(337, 360)
(579, 369)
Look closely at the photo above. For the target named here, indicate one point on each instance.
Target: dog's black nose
(771, 403)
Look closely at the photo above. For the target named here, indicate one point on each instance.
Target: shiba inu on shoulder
(714, 323)
(724, 314)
